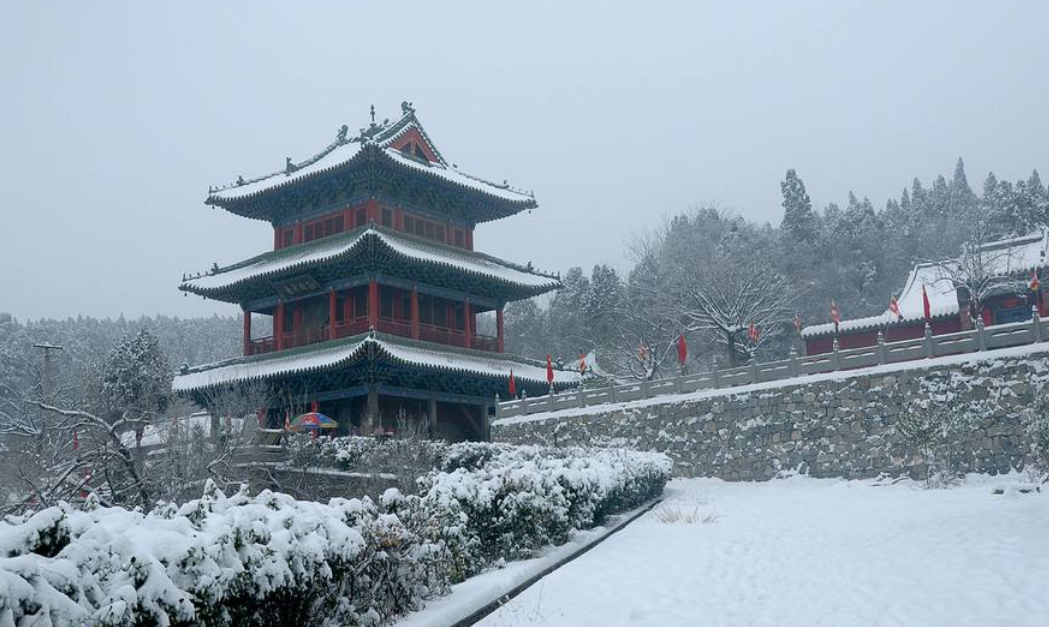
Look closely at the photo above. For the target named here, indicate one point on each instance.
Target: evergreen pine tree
(601, 304)
(135, 380)
(798, 218)
(962, 198)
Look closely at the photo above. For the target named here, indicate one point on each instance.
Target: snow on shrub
(270, 559)
(502, 502)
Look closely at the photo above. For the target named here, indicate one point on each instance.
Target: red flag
(798, 325)
(753, 332)
(582, 363)
(682, 350)
(513, 385)
(835, 315)
(894, 307)
(287, 422)
(926, 306)
(549, 370)
(1035, 284)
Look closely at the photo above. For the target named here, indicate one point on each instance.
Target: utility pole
(47, 382)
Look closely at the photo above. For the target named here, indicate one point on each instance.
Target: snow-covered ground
(810, 552)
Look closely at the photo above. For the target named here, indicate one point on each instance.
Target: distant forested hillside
(86, 341)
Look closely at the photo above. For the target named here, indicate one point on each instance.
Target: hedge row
(270, 559)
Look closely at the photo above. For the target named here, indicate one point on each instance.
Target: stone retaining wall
(827, 425)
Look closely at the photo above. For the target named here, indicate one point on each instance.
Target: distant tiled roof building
(948, 304)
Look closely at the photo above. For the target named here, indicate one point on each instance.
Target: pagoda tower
(367, 308)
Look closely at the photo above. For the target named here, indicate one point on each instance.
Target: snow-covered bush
(503, 502)
(218, 560)
(274, 560)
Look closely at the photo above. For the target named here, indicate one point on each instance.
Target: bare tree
(78, 451)
(641, 339)
(724, 296)
(984, 268)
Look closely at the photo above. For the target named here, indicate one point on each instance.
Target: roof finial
(373, 114)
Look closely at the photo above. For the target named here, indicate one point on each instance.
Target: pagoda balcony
(427, 333)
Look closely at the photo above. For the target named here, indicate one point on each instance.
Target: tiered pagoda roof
(373, 249)
(367, 164)
(378, 356)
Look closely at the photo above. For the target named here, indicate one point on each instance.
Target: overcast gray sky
(116, 117)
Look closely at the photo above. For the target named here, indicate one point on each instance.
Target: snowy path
(810, 552)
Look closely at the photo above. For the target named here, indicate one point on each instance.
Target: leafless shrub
(687, 512)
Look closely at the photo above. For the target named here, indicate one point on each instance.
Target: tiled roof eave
(368, 152)
(354, 247)
(355, 347)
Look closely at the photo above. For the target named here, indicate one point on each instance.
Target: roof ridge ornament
(407, 108)
(289, 167)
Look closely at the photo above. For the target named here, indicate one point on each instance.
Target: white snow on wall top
(335, 245)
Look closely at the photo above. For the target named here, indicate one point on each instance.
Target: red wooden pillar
(499, 329)
(332, 301)
(373, 303)
(415, 313)
(278, 326)
(468, 324)
(247, 331)
(373, 211)
(276, 237)
(469, 239)
(298, 233)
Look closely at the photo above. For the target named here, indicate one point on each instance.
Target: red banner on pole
(682, 350)
(894, 307)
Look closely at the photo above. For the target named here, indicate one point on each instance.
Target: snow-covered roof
(344, 150)
(342, 352)
(284, 260)
(943, 301)
(1019, 254)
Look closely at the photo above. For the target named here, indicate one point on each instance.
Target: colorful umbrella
(312, 420)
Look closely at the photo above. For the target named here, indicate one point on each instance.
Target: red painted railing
(402, 328)
(486, 343)
(351, 327)
(262, 345)
(441, 335)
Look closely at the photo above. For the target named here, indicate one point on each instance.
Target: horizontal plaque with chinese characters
(296, 287)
